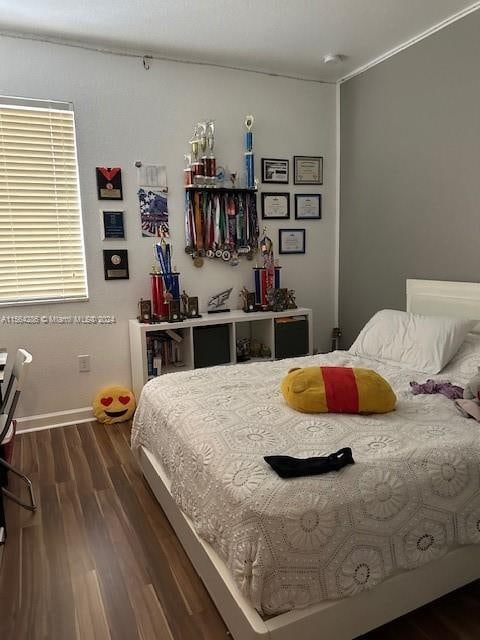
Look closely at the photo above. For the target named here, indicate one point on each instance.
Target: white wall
(123, 114)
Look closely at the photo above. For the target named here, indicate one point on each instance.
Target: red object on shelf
(159, 306)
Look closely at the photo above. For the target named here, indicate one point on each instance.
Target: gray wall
(410, 173)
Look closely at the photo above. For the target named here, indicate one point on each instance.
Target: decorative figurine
(255, 348)
(217, 303)
(265, 352)
(291, 304)
(243, 349)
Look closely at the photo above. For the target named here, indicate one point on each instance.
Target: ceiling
(287, 37)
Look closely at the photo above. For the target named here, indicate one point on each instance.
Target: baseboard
(53, 420)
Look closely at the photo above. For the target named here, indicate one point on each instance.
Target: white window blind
(41, 237)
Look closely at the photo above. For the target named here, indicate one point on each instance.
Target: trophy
(248, 298)
(196, 143)
(209, 160)
(188, 171)
(248, 142)
(267, 278)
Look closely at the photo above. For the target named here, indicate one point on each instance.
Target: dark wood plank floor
(100, 561)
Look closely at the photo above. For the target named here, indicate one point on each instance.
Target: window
(41, 237)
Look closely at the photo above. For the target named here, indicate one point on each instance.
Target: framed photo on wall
(307, 169)
(115, 264)
(275, 171)
(109, 183)
(291, 240)
(276, 206)
(308, 206)
(112, 225)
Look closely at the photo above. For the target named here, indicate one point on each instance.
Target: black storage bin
(291, 338)
(211, 345)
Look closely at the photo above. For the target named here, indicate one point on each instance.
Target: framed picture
(109, 183)
(308, 206)
(274, 171)
(113, 228)
(276, 206)
(291, 240)
(115, 264)
(307, 170)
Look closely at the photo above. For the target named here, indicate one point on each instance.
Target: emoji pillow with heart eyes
(114, 404)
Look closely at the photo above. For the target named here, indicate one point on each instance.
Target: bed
(323, 556)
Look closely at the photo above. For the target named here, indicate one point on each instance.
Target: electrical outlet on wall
(84, 363)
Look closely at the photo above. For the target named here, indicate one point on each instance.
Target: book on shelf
(163, 351)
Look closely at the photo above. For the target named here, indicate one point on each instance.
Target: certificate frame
(275, 206)
(113, 225)
(275, 171)
(308, 206)
(291, 241)
(307, 169)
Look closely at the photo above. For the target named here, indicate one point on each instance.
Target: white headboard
(439, 298)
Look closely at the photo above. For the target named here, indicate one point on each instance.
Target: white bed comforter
(412, 495)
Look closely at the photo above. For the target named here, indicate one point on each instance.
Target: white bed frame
(349, 617)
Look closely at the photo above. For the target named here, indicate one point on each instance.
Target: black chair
(7, 427)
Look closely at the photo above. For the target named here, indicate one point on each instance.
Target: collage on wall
(153, 211)
(109, 187)
(152, 193)
(308, 171)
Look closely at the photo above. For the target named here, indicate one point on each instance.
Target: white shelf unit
(260, 325)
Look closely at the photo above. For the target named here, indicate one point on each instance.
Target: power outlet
(84, 363)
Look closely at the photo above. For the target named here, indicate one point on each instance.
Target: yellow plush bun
(337, 390)
(114, 404)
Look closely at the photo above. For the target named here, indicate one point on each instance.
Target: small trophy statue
(291, 303)
(248, 298)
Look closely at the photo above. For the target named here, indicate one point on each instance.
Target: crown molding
(409, 43)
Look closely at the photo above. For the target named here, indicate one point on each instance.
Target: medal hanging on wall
(220, 225)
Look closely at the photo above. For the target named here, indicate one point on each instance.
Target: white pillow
(424, 343)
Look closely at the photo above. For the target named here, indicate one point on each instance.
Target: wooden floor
(100, 561)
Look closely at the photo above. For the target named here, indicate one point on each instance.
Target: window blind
(41, 236)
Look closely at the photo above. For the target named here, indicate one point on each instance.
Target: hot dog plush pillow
(337, 390)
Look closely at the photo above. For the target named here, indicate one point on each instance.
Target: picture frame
(275, 171)
(307, 169)
(115, 264)
(276, 206)
(308, 206)
(113, 227)
(291, 241)
(109, 183)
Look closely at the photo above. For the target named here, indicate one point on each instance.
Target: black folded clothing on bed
(288, 467)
